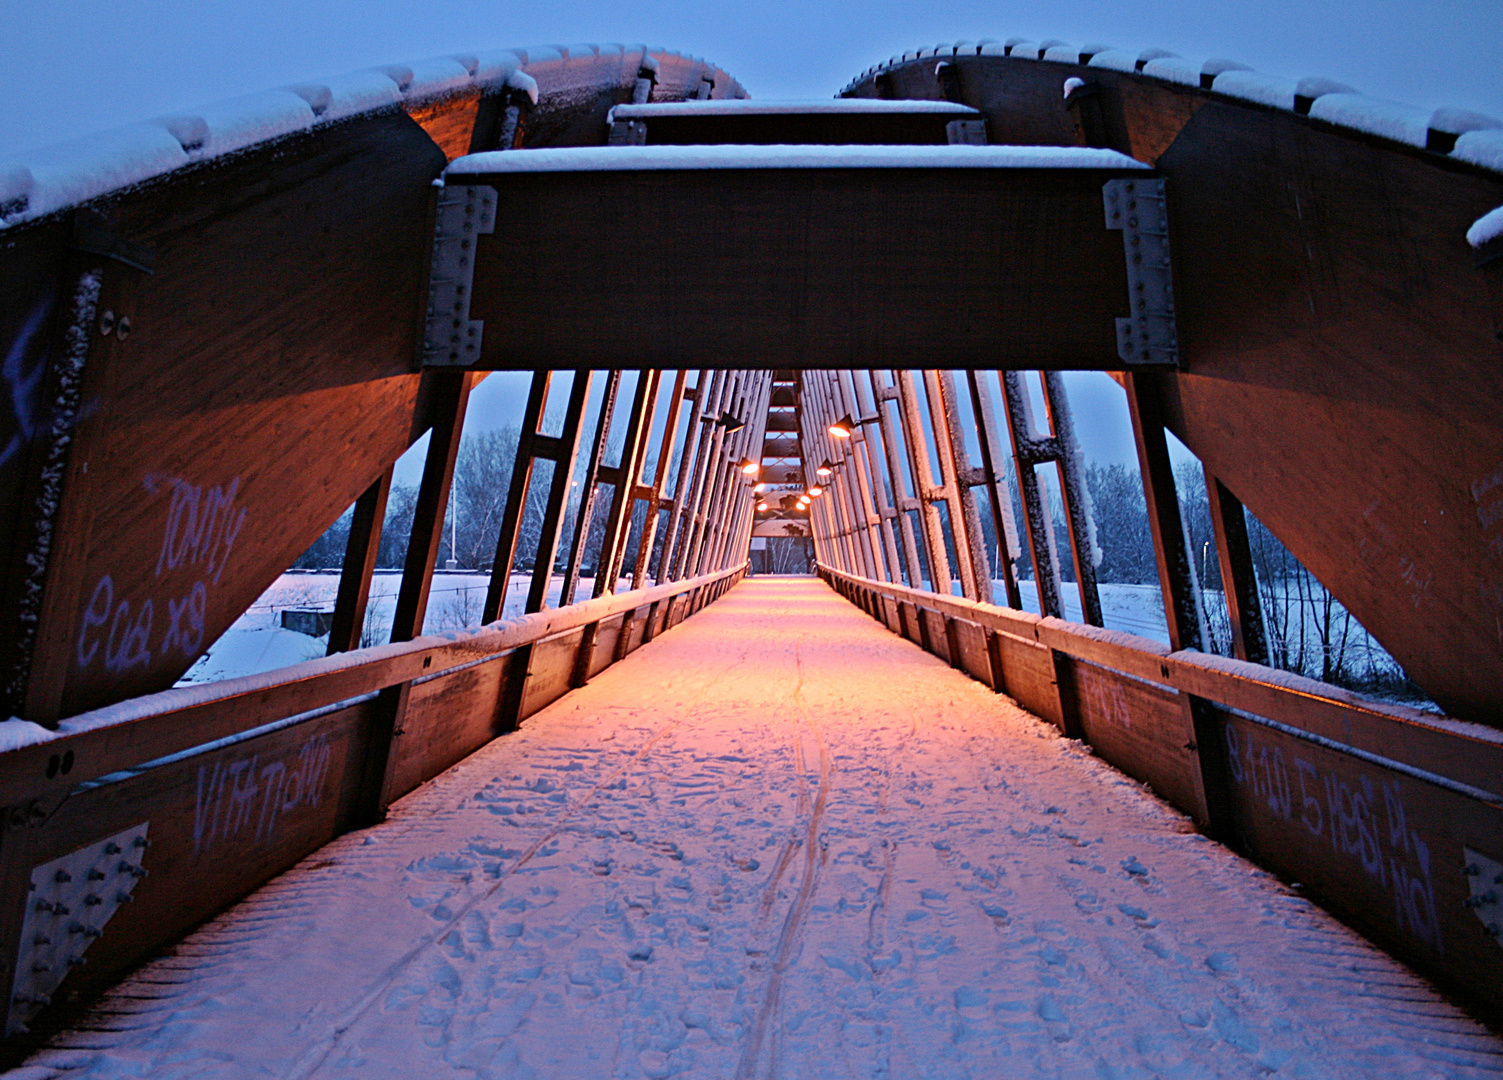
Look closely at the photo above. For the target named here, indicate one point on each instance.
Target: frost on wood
(759, 107)
(58, 439)
(632, 158)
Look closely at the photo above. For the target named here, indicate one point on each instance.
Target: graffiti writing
(201, 525)
(249, 796)
(22, 372)
(124, 633)
(1362, 820)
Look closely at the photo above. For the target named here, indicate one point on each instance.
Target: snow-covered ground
(779, 841)
(1137, 609)
(256, 642)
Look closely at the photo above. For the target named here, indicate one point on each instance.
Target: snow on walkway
(777, 842)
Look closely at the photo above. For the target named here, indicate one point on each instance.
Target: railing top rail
(145, 728)
(1457, 750)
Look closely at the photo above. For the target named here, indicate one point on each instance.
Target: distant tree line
(482, 482)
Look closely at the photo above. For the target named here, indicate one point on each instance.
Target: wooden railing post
(359, 564)
(1234, 555)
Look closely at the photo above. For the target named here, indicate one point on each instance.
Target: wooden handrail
(143, 729)
(1465, 753)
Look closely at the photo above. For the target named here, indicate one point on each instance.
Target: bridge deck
(778, 841)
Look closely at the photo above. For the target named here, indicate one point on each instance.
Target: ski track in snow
(778, 841)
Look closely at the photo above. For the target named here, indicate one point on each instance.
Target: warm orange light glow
(761, 506)
(759, 488)
(816, 491)
(843, 427)
(750, 467)
(824, 470)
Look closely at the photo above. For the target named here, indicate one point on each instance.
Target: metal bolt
(107, 323)
(76, 961)
(141, 842)
(124, 898)
(112, 848)
(122, 329)
(62, 876)
(92, 901)
(95, 875)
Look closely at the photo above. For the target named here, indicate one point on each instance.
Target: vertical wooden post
(587, 493)
(558, 491)
(1072, 487)
(1234, 554)
(897, 469)
(516, 499)
(997, 490)
(666, 447)
(1036, 520)
(955, 461)
(359, 564)
(923, 483)
(1163, 512)
(633, 452)
(448, 394)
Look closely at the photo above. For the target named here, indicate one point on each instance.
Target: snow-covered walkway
(777, 842)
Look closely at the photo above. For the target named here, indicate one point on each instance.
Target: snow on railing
(53, 178)
(1460, 133)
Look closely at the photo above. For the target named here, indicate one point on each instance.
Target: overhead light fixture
(759, 488)
(731, 422)
(816, 491)
(750, 467)
(825, 468)
(843, 427)
(762, 506)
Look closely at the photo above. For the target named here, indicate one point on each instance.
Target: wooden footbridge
(221, 330)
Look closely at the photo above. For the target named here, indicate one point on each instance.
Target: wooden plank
(1142, 729)
(1405, 735)
(1384, 849)
(891, 129)
(202, 486)
(347, 631)
(608, 641)
(176, 720)
(35, 259)
(1028, 677)
(450, 717)
(908, 616)
(1238, 580)
(968, 650)
(550, 671)
(447, 395)
(1181, 607)
(932, 623)
(221, 823)
(449, 122)
(801, 279)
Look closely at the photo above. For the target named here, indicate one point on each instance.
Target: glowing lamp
(750, 467)
(843, 427)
